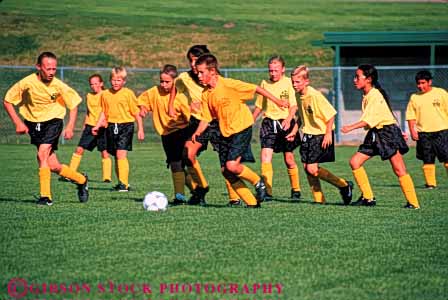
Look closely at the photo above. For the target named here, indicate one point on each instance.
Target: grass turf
(314, 252)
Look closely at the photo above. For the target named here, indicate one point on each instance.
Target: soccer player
(188, 83)
(173, 130)
(224, 100)
(384, 138)
(89, 141)
(43, 100)
(428, 112)
(317, 121)
(277, 123)
(119, 111)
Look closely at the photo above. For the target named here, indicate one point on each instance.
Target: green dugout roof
(392, 38)
(419, 47)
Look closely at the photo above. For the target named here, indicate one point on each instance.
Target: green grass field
(144, 33)
(314, 252)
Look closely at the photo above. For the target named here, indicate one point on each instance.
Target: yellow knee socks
(72, 175)
(75, 161)
(45, 182)
(107, 169)
(267, 174)
(363, 182)
(407, 186)
(316, 189)
(329, 177)
(294, 179)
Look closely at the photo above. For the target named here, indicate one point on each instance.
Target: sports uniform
(272, 134)
(43, 107)
(173, 131)
(315, 112)
(430, 112)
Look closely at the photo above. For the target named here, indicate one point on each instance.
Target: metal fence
(335, 82)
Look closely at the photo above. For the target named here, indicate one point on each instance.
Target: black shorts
(273, 136)
(311, 150)
(384, 142)
(119, 137)
(89, 141)
(211, 134)
(173, 145)
(47, 132)
(236, 145)
(431, 145)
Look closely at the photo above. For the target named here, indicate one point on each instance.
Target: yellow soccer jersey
(282, 89)
(375, 111)
(315, 111)
(119, 107)
(158, 104)
(193, 91)
(93, 102)
(40, 102)
(226, 102)
(429, 110)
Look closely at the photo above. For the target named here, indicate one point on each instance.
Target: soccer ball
(155, 201)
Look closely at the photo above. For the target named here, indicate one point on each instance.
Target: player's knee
(354, 164)
(79, 150)
(232, 167)
(312, 170)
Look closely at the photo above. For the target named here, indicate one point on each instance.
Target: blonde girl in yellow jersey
(384, 138)
(173, 130)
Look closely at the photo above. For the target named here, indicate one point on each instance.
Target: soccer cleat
(83, 190)
(347, 193)
(198, 196)
(120, 187)
(107, 181)
(429, 187)
(410, 206)
(295, 195)
(364, 202)
(268, 198)
(260, 187)
(44, 201)
(179, 199)
(233, 203)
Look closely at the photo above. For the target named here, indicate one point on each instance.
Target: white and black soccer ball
(155, 201)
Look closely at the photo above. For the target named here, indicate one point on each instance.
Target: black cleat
(107, 181)
(268, 198)
(410, 206)
(198, 196)
(234, 203)
(347, 193)
(429, 187)
(260, 187)
(44, 201)
(120, 187)
(295, 195)
(179, 199)
(364, 202)
(83, 190)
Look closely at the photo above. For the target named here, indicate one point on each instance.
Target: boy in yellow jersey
(384, 138)
(428, 112)
(89, 141)
(224, 99)
(188, 84)
(119, 111)
(276, 125)
(173, 130)
(43, 100)
(317, 120)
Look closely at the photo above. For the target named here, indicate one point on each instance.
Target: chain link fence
(335, 82)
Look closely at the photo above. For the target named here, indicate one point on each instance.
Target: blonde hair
(119, 72)
(301, 71)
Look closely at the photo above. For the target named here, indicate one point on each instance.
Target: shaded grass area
(150, 34)
(314, 252)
